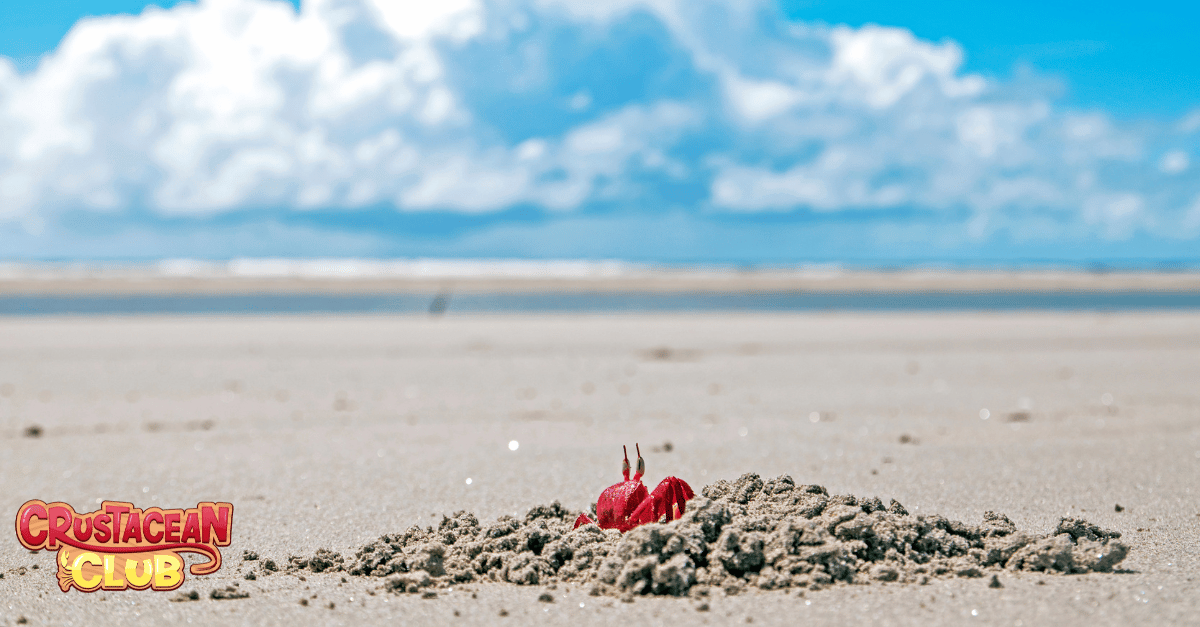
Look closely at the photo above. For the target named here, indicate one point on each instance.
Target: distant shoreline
(351, 277)
(589, 303)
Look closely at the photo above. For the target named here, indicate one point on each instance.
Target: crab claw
(668, 499)
(582, 520)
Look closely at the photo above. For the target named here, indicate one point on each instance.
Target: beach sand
(328, 432)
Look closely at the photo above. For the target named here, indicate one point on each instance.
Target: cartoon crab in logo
(626, 505)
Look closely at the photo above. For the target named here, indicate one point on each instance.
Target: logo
(120, 546)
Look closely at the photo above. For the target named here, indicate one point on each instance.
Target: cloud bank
(711, 111)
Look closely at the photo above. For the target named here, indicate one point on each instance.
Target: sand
(749, 533)
(327, 433)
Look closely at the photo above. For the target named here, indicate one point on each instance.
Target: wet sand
(328, 432)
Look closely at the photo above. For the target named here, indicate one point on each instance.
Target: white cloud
(1191, 217)
(1190, 122)
(1118, 214)
(458, 19)
(1174, 162)
(882, 65)
(482, 105)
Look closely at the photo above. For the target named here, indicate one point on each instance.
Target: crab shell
(617, 503)
(625, 505)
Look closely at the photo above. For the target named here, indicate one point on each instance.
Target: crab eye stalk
(625, 464)
(641, 467)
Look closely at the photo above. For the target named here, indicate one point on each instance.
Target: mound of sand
(767, 534)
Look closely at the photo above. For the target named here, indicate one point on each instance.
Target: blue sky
(865, 133)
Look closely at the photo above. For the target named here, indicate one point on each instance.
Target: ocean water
(588, 303)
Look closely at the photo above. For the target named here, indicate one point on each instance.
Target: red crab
(626, 505)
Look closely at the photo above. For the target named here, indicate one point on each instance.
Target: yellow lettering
(91, 583)
(111, 582)
(166, 571)
(135, 580)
